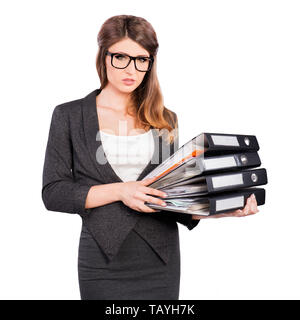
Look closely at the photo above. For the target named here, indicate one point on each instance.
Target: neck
(113, 98)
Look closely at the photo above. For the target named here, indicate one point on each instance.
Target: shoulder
(68, 107)
(68, 112)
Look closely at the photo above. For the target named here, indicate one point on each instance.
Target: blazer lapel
(91, 132)
(155, 160)
(94, 143)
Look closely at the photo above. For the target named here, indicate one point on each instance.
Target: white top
(128, 155)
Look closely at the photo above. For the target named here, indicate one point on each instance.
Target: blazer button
(128, 214)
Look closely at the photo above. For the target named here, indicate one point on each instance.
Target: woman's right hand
(134, 194)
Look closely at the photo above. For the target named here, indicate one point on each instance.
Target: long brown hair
(146, 101)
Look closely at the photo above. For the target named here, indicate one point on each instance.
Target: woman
(127, 250)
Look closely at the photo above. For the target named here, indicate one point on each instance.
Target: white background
(223, 66)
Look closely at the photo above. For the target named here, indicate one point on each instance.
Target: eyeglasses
(122, 60)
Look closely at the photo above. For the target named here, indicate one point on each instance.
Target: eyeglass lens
(121, 61)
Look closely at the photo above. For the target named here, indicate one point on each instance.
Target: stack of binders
(211, 174)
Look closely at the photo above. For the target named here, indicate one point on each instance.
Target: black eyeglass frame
(111, 54)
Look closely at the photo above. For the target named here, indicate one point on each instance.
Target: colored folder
(208, 143)
(208, 164)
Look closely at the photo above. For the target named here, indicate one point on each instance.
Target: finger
(153, 191)
(238, 213)
(220, 215)
(158, 201)
(247, 209)
(145, 208)
(148, 181)
(254, 208)
(141, 207)
(145, 198)
(254, 199)
(153, 210)
(228, 214)
(250, 207)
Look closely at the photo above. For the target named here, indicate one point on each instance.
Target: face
(115, 76)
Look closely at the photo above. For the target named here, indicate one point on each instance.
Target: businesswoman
(99, 149)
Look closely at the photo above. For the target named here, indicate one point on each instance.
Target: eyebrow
(141, 55)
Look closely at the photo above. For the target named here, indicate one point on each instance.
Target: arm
(60, 192)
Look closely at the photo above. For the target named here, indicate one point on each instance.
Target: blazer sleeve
(60, 192)
(182, 218)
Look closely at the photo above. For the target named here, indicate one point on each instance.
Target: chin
(127, 89)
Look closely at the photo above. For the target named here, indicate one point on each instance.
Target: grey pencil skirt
(136, 273)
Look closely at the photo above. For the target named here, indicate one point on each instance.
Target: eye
(142, 60)
(119, 56)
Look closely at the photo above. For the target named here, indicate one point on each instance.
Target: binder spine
(236, 142)
(235, 200)
(236, 180)
(229, 162)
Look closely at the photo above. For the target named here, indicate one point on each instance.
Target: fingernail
(253, 196)
(165, 195)
(164, 204)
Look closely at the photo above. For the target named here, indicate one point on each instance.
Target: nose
(131, 66)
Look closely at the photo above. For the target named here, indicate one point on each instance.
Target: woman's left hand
(250, 208)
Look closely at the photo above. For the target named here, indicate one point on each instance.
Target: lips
(128, 81)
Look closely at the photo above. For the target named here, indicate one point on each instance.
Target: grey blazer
(71, 169)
